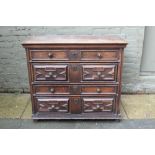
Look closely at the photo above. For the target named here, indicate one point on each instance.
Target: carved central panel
(99, 72)
(50, 72)
(98, 104)
(52, 104)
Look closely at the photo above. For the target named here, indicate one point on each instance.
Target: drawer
(49, 72)
(102, 72)
(58, 104)
(52, 104)
(74, 89)
(74, 55)
(99, 55)
(75, 104)
(98, 104)
(75, 72)
(46, 55)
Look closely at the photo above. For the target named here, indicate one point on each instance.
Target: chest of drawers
(75, 77)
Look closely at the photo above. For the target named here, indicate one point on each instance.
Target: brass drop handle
(98, 90)
(50, 55)
(99, 55)
(52, 90)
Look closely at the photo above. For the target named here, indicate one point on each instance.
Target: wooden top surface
(74, 39)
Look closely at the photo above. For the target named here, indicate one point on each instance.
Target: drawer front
(74, 55)
(98, 104)
(75, 105)
(75, 72)
(74, 89)
(53, 104)
(99, 55)
(96, 90)
(99, 72)
(50, 72)
(51, 90)
(46, 55)
(59, 104)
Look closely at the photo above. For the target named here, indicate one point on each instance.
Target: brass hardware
(99, 55)
(52, 90)
(98, 90)
(50, 55)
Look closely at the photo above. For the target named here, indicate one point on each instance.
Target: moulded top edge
(74, 39)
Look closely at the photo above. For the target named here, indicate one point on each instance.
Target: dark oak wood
(75, 77)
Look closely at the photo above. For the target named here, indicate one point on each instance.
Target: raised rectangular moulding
(71, 105)
(105, 72)
(50, 72)
(75, 104)
(75, 72)
(52, 104)
(98, 104)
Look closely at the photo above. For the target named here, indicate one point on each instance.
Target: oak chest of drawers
(75, 77)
